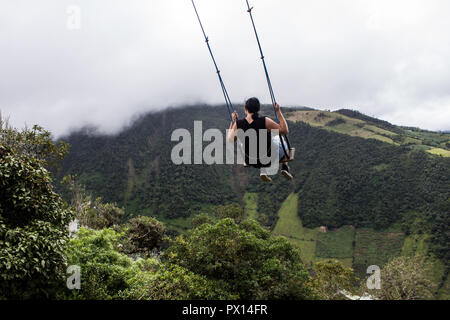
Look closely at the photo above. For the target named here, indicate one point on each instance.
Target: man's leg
(264, 176)
(285, 171)
(284, 166)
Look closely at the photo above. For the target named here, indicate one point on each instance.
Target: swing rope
(228, 103)
(269, 83)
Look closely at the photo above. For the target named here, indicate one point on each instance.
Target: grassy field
(251, 205)
(359, 248)
(409, 140)
(337, 244)
(350, 126)
(420, 147)
(381, 131)
(290, 226)
(375, 248)
(432, 142)
(415, 244)
(431, 138)
(440, 152)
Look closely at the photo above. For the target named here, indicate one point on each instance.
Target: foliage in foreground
(332, 278)
(33, 233)
(406, 278)
(104, 270)
(108, 273)
(35, 143)
(88, 212)
(173, 282)
(143, 235)
(253, 263)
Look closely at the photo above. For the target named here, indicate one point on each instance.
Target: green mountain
(378, 190)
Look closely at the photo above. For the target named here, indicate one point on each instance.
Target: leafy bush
(106, 273)
(104, 215)
(104, 270)
(202, 218)
(33, 143)
(173, 282)
(254, 264)
(33, 221)
(142, 235)
(331, 278)
(406, 278)
(233, 211)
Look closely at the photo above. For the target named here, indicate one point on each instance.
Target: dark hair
(253, 106)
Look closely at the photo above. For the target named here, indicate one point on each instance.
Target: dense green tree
(202, 218)
(105, 215)
(406, 278)
(173, 282)
(233, 211)
(35, 143)
(143, 235)
(440, 231)
(105, 271)
(33, 221)
(253, 263)
(332, 278)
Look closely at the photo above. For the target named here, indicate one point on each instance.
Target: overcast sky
(385, 58)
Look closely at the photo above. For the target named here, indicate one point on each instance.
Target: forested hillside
(342, 178)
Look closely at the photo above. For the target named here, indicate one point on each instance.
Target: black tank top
(257, 124)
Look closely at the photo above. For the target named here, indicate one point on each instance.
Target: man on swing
(254, 121)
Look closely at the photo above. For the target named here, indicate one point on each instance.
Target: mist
(385, 59)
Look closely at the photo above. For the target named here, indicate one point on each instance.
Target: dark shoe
(285, 171)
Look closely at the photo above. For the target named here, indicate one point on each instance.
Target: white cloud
(386, 58)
